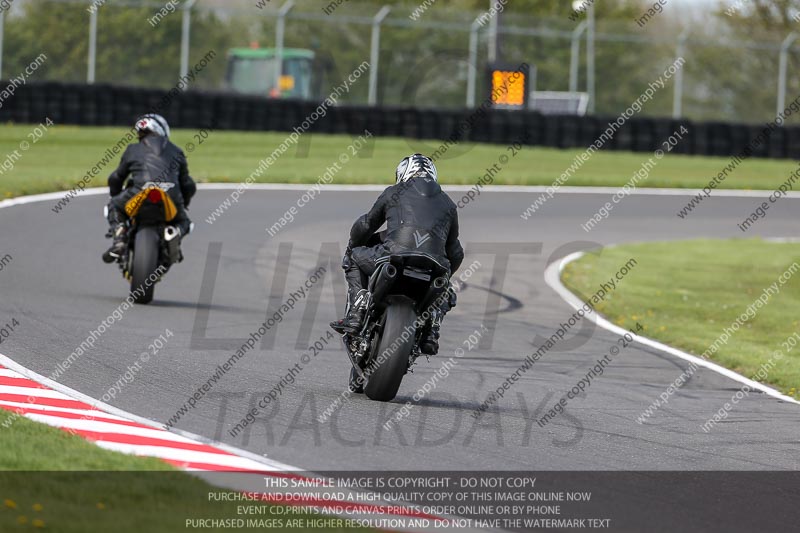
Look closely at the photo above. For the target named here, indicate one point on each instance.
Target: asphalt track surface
(59, 290)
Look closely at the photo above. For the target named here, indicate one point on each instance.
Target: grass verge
(64, 154)
(686, 293)
(53, 481)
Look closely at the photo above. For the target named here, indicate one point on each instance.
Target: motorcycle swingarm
(353, 359)
(352, 356)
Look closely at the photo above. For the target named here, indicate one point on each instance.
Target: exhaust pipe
(172, 236)
(171, 232)
(437, 288)
(384, 282)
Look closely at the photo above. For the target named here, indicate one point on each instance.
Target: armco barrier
(108, 105)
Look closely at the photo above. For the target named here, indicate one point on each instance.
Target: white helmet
(416, 165)
(154, 123)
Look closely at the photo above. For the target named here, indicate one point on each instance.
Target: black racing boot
(354, 320)
(430, 342)
(120, 235)
(429, 345)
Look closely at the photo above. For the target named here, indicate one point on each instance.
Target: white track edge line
(734, 193)
(552, 276)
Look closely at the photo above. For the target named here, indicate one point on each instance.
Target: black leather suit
(419, 217)
(153, 159)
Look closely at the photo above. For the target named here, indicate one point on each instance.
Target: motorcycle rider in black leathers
(153, 160)
(420, 217)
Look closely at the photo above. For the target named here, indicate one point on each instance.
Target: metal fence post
(185, 30)
(493, 23)
(374, 55)
(92, 45)
(677, 99)
(2, 26)
(784, 59)
(574, 57)
(280, 27)
(473, 61)
(590, 86)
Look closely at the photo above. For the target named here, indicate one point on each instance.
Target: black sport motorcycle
(153, 244)
(403, 293)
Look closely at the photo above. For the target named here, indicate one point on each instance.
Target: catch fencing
(425, 58)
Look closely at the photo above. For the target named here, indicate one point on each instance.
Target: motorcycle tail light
(154, 196)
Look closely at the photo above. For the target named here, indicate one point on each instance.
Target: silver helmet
(416, 165)
(153, 123)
